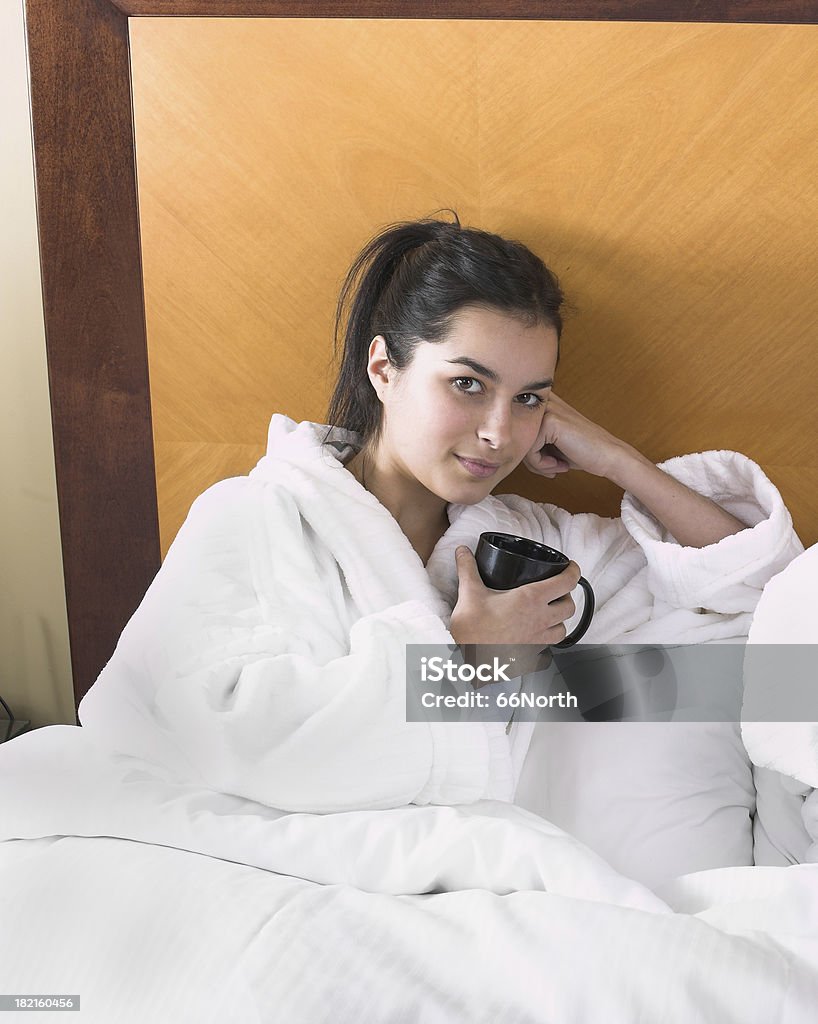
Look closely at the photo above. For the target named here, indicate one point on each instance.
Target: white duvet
(198, 906)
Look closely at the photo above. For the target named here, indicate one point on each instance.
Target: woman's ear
(379, 368)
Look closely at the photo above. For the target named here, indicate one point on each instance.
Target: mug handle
(585, 621)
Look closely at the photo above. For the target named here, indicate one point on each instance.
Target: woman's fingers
(563, 583)
(548, 614)
(551, 451)
(547, 603)
(530, 614)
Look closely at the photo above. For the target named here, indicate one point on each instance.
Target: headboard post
(94, 319)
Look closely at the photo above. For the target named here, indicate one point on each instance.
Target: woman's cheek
(524, 436)
(449, 417)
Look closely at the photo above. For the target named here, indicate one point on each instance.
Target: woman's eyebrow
(491, 375)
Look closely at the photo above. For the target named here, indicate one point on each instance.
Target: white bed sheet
(200, 906)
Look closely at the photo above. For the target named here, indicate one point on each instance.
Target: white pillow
(656, 799)
(785, 826)
(780, 835)
(809, 814)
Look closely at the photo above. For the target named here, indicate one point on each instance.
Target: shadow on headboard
(95, 310)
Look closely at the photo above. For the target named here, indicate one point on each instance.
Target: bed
(648, 884)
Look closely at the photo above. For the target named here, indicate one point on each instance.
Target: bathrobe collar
(346, 516)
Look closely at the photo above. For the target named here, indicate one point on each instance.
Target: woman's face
(466, 410)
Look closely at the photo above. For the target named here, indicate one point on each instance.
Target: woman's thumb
(466, 565)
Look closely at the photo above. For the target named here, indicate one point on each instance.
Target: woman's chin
(467, 495)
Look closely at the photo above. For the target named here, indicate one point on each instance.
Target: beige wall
(35, 675)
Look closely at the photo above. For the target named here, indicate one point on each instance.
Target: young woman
(456, 389)
(268, 657)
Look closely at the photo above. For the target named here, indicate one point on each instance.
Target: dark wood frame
(92, 276)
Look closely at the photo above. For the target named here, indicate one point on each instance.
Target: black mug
(505, 562)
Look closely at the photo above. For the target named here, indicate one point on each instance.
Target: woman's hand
(568, 440)
(529, 615)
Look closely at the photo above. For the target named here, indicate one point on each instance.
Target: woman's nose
(495, 428)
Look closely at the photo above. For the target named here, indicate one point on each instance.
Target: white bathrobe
(267, 658)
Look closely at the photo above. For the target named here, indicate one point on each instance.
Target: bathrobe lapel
(380, 566)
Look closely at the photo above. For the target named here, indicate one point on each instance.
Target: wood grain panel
(663, 171)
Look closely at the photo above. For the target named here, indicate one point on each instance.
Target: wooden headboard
(668, 179)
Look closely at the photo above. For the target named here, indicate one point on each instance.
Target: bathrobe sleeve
(239, 670)
(648, 587)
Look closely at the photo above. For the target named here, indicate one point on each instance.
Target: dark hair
(408, 283)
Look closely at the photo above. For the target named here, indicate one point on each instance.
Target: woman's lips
(482, 470)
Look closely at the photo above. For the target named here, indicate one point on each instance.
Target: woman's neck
(420, 514)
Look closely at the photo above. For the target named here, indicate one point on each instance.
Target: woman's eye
(467, 384)
(532, 401)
